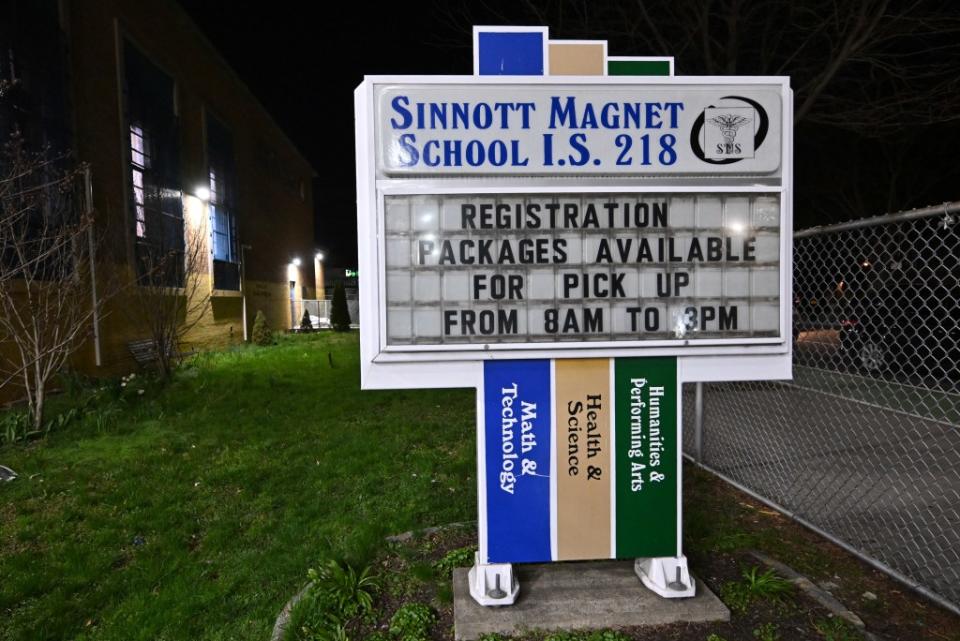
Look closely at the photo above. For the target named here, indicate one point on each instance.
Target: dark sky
(305, 71)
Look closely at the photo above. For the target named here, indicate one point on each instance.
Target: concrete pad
(578, 596)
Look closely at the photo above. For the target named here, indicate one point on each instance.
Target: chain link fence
(863, 445)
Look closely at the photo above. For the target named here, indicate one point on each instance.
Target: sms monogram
(729, 124)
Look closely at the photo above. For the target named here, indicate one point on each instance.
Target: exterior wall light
(319, 256)
(202, 192)
(295, 262)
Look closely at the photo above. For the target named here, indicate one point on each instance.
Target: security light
(202, 192)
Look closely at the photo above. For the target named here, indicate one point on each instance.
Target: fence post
(698, 423)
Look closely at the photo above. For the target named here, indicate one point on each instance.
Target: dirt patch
(406, 580)
(723, 526)
(896, 613)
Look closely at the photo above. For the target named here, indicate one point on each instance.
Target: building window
(223, 209)
(34, 58)
(156, 202)
(139, 163)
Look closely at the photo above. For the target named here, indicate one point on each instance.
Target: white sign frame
(460, 365)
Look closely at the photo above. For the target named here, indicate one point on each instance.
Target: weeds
(15, 426)
(837, 629)
(767, 585)
(595, 635)
(767, 632)
(755, 586)
(84, 401)
(411, 622)
(459, 558)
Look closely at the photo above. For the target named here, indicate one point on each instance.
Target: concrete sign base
(578, 596)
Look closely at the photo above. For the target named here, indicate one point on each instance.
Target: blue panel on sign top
(517, 444)
(511, 53)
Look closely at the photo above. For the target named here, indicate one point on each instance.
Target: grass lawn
(194, 511)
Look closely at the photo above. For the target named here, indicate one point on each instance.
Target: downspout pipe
(94, 300)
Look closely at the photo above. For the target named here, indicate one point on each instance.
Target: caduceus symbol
(728, 124)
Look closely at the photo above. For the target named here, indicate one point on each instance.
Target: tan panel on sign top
(578, 59)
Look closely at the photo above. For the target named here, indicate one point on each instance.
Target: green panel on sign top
(638, 67)
(646, 456)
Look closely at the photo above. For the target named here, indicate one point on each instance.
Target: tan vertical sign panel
(583, 414)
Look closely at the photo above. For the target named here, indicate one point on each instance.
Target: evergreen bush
(339, 314)
(305, 324)
(261, 331)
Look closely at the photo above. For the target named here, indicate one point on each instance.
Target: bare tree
(872, 66)
(46, 246)
(171, 292)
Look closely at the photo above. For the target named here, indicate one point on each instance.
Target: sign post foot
(667, 576)
(493, 584)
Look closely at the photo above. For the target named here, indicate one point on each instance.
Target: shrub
(261, 331)
(351, 591)
(305, 324)
(339, 314)
(337, 598)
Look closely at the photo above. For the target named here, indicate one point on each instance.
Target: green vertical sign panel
(646, 456)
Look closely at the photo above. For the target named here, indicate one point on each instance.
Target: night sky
(304, 71)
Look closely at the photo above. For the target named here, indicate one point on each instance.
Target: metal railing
(863, 445)
(319, 311)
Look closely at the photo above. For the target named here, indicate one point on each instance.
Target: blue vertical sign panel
(510, 53)
(517, 444)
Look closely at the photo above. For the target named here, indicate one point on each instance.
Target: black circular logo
(758, 138)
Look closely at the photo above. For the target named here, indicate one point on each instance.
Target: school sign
(576, 248)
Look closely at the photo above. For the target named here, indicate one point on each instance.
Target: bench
(145, 352)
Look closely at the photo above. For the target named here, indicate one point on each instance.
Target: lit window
(138, 201)
(139, 161)
(156, 206)
(223, 219)
(138, 146)
(223, 232)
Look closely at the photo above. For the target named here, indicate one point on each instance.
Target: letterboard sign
(471, 269)
(453, 129)
(571, 217)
